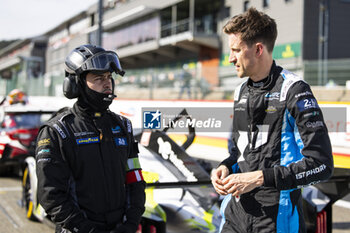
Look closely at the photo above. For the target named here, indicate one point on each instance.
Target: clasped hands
(235, 184)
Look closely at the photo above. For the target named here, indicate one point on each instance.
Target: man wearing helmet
(16, 97)
(89, 176)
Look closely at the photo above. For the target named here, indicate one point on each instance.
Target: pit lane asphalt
(12, 215)
(13, 218)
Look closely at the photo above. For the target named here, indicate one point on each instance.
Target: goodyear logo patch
(87, 140)
(121, 141)
(116, 129)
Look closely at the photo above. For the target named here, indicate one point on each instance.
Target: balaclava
(98, 102)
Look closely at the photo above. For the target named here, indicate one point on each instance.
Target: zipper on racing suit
(250, 118)
(95, 123)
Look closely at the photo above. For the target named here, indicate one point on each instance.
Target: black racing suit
(89, 177)
(278, 128)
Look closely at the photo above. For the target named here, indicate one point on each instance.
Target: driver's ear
(259, 49)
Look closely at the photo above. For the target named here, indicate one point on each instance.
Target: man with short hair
(280, 140)
(89, 176)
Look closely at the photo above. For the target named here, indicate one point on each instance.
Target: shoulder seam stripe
(237, 91)
(289, 79)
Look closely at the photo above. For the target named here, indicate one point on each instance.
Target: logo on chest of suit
(121, 141)
(272, 96)
(116, 129)
(87, 140)
(79, 134)
(243, 101)
(271, 109)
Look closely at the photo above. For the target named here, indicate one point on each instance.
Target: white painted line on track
(10, 189)
(343, 204)
(8, 216)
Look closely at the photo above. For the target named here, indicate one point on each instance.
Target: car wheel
(28, 196)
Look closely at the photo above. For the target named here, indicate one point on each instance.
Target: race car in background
(179, 194)
(19, 125)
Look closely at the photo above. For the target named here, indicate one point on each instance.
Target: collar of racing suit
(269, 81)
(85, 110)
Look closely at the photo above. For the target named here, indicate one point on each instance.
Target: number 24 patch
(306, 104)
(121, 141)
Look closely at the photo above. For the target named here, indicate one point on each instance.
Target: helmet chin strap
(110, 97)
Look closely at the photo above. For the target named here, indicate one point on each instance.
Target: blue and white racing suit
(278, 128)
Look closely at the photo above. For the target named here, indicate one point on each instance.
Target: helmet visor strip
(103, 61)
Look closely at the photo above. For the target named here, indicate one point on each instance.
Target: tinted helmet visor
(102, 62)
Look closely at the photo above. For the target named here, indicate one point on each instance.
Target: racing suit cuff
(269, 177)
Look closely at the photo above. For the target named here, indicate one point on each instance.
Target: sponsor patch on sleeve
(43, 151)
(44, 142)
(44, 160)
(314, 124)
(305, 104)
(311, 114)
